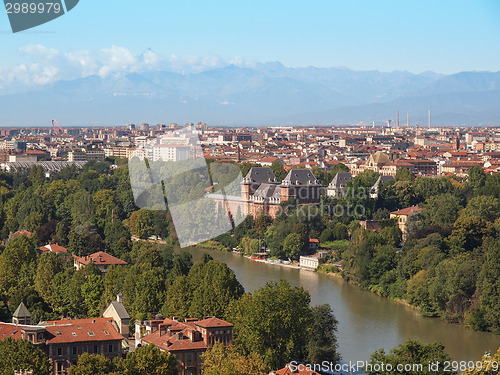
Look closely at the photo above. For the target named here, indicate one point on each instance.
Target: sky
(101, 36)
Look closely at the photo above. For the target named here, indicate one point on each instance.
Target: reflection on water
(366, 321)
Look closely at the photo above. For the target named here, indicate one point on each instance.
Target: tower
(457, 142)
(21, 315)
(429, 118)
(408, 119)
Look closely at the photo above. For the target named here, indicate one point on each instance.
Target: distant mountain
(265, 94)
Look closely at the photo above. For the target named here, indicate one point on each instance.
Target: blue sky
(443, 36)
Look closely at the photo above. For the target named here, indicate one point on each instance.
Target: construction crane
(54, 127)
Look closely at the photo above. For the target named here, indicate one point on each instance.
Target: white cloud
(43, 65)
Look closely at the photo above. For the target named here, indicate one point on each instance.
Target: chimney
(119, 298)
(175, 318)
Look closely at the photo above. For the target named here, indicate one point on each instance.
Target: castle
(262, 192)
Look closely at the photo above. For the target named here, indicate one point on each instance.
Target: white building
(171, 152)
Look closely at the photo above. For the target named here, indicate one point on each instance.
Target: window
(96, 349)
(59, 351)
(75, 350)
(110, 347)
(85, 349)
(189, 359)
(91, 333)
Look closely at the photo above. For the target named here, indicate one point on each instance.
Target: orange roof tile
(100, 258)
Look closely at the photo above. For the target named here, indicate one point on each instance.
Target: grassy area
(335, 245)
(328, 268)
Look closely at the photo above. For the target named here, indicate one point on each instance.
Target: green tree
(468, 233)
(292, 245)
(22, 355)
(278, 170)
(92, 364)
(273, 322)
(220, 360)
(441, 210)
(141, 223)
(215, 287)
(489, 285)
(403, 174)
(322, 336)
(92, 290)
(476, 177)
(483, 206)
(49, 265)
(412, 353)
(19, 252)
(148, 360)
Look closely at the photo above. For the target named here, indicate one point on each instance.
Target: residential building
(64, 340)
(101, 259)
(403, 218)
(188, 340)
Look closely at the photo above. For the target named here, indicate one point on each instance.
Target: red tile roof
(80, 330)
(407, 210)
(10, 330)
(212, 323)
(54, 248)
(68, 331)
(100, 258)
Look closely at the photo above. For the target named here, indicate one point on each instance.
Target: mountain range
(264, 94)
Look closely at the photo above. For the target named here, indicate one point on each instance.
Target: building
(311, 261)
(21, 315)
(403, 217)
(86, 155)
(337, 187)
(171, 152)
(188, 340)
(262, 192)
(119, 314)
(101, 259)
(64, 340)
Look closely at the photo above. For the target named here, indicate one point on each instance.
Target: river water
(367, 322)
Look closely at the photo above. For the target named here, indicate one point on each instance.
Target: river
(366, 322)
